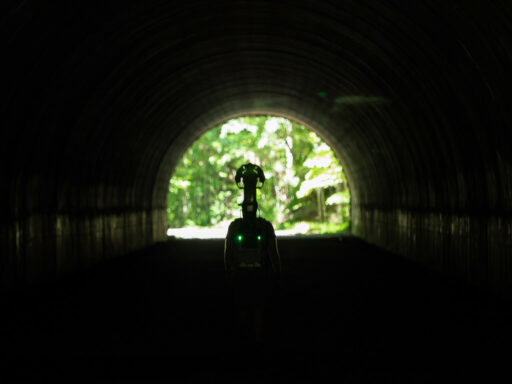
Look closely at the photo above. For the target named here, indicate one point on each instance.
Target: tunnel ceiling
(102, 98)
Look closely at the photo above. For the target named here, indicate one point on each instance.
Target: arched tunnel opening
(102, 98)
(305, 189)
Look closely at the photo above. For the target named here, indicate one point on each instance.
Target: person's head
(249, 177)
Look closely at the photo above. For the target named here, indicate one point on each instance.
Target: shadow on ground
(345, 310)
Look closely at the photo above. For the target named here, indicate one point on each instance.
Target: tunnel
(101, 100)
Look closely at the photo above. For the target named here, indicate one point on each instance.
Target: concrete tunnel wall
(102, 98)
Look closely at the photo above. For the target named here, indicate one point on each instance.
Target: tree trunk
(338, 206)
(320, 199)
(206, 200)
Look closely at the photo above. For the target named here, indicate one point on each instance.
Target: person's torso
(250, 244)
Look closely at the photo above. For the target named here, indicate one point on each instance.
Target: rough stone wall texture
(103, 98)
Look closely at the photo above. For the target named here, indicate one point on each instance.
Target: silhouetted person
(251, 257)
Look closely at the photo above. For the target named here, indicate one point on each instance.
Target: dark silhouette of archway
(99, 96)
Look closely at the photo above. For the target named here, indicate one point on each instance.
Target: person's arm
(275, 258)
(229, 266)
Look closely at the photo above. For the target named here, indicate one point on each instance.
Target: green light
(239, 238)
(259, 237)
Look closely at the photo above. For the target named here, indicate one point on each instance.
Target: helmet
(250, 176)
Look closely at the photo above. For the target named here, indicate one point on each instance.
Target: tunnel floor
(345, 310)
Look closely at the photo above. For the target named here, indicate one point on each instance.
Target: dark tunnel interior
(101, 99)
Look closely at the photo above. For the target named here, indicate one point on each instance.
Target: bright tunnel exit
(305, 191)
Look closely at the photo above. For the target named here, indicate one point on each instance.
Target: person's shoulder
(266, 223)
(235, 223)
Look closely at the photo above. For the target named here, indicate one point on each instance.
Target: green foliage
(296, 162)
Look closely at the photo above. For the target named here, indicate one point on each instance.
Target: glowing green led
(259, 237)
(239, 238)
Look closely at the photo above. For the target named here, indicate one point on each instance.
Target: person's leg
(258, 322)
(243, 322)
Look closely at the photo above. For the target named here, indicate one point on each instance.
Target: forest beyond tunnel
(305, 189)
